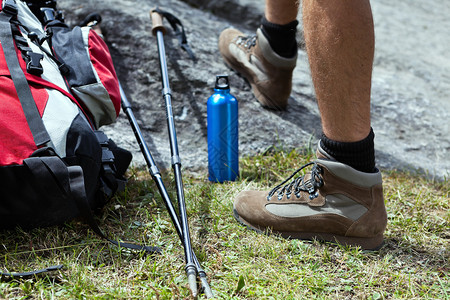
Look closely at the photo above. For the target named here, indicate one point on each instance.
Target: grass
(241, 264)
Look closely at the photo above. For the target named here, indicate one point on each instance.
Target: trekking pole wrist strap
(157, 15)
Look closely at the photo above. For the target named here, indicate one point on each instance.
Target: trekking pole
(156, 175)
(159, 30)
(93, 20)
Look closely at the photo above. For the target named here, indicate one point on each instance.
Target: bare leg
(281, 11)
(340, 42)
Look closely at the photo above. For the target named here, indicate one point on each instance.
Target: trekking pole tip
(157, 23)
(192, 280)
(206, 288)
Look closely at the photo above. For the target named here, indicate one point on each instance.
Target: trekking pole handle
(157, 22)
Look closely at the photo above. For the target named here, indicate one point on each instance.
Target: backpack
(57, 87)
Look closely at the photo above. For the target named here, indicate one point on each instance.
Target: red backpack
(57, 87)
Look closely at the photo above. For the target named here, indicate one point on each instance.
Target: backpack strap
(31, 273)
(34, 120)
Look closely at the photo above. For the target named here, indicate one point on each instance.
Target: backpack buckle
(34, 63)
(48, 14)
(10, 7)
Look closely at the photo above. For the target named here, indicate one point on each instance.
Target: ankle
(281, 37)
(358, 155)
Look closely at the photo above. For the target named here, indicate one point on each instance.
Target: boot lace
(300, 184)
(247, 41)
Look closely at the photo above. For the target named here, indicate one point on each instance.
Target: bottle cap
(222, 82)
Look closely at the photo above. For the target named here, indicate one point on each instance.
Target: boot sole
(372, 243)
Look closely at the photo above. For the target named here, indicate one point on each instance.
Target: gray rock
(411, 81)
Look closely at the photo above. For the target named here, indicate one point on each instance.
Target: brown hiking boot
(269, 74)
(333, 203)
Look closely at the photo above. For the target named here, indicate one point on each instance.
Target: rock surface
(410, 94)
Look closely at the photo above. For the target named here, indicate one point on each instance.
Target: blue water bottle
(223, 147)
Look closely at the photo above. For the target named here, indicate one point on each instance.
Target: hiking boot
(333, 203)
(269, 74)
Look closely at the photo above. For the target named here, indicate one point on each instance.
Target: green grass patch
(241, 264)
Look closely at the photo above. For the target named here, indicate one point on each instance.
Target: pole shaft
(152, 166)
(176, 163)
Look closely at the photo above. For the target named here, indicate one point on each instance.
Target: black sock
(358, 155)
(281, 37)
